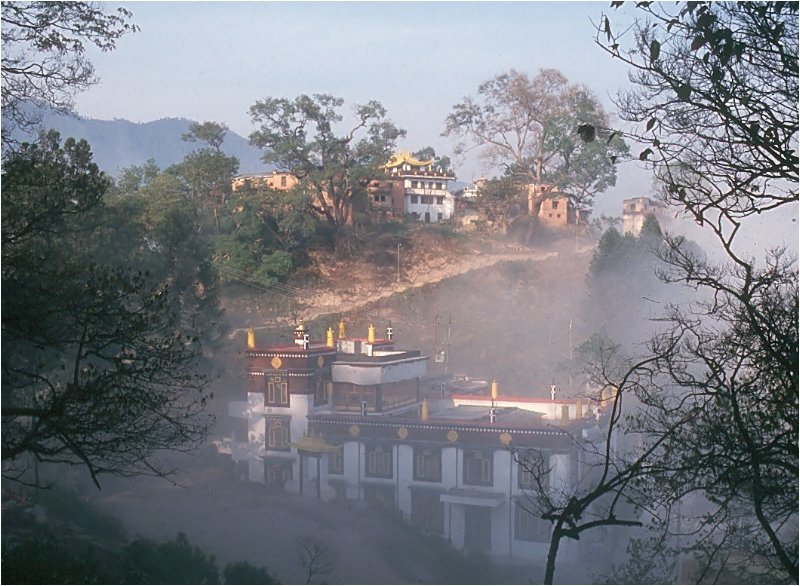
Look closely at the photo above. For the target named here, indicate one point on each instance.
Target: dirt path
(323, 302)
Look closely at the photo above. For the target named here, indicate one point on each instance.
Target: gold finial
(494, 389)
(251, 338)
(371, 334)
(342, 334)
(423, 412)
(329, 338)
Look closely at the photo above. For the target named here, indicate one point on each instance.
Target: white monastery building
(351, 418)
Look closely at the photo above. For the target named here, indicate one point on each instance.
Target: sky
(213, 60)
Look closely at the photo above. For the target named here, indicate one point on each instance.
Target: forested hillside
(118, 144)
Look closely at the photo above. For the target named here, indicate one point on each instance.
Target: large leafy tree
(529, 127)
(207, 171)
(302, 136)
(267, 234)
(98, 368)
(161, 229)
(44, 55)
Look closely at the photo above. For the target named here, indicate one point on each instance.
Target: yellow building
(278, 180)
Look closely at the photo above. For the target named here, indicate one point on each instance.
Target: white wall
(375, 374)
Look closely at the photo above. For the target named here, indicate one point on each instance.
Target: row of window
(427, 199)
(425, 184)
(278, 391)
(478, 466)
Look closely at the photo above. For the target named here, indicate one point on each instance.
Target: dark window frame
(478, 467)
(277, 392)
(427, 464)
(278, 433)
(379, 461)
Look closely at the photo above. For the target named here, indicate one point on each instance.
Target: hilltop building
(352, 418)
(278, 180)
(635, 210)
(413, 187)
(557, 210)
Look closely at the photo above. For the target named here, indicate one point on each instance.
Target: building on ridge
(413, 187)
(353, 418)
(635, 210)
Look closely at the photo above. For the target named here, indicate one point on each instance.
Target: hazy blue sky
(213, 60)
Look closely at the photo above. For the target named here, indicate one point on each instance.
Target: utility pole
(447, 345)
(571, 365)
(436, 336)
(399, 244)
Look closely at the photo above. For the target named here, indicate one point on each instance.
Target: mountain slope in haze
(118, 144)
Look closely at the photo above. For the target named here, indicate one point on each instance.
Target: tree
(715, 401)
(503, 200)
(161, 231)
(714, 100)
(429, 153)
(97, 368)
(207, 171)
(268, 233)
(299, 136)
(529, 128)
(315, 557)
(44, 55)
(716, 94)
(245, 573)
(172, 562)
(211, 133)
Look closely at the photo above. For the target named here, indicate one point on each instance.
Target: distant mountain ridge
(118, 144)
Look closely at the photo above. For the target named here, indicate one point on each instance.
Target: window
(428, 464)
(428, 199)
(555, 203)
(440, 215)
(530, 527)
(439, 185)
(379, 461)
(336, 461)
(278, 427)
(558, 215)
(415, 184)
(278, 390)
(377, 198)
(478, 466)
(440, 200)
(414, 199)
(283, 180)
(322, 392)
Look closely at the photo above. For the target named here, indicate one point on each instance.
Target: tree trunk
(552, 553)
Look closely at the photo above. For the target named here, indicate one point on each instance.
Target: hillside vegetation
(497, 309)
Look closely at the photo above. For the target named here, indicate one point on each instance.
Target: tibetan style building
(415, 188)
(356, 419)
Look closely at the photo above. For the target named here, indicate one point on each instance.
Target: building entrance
(477, 528)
